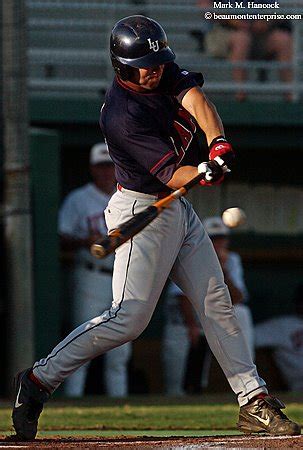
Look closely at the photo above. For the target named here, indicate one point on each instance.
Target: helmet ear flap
(124, 71)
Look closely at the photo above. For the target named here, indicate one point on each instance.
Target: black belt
(95, 268)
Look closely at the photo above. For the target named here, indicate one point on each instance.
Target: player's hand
(92, 238)
(214, 173)
(221, 151)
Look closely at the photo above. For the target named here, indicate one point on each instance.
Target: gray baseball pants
(176, 245)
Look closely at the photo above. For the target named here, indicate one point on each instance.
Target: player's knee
(135, 319)
(135, 331)
(217, 303)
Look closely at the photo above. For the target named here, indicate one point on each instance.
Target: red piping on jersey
(161, 161)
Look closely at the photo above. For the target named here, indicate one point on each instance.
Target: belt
(159, 195)
(95, 268)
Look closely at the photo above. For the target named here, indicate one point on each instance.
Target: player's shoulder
(175, 78)
(115, 107)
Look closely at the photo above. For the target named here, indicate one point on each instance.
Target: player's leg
(115, 370)
(240, 45)
(279, 44)
(244, 317)
(91, 295)
(141, 268)
(198, 273)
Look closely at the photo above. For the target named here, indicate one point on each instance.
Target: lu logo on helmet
(153, 45)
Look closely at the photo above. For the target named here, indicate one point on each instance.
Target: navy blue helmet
(138, 42)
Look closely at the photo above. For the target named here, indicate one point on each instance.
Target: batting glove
(221, 151)
(214, 173)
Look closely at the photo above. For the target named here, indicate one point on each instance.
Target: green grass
(141, 415)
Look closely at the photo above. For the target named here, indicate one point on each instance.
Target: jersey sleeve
(177, 82)
(145, 144)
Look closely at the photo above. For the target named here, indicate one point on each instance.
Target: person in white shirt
(182, 330)
(285, 335)
(81, 222)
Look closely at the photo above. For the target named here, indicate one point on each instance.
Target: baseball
(233, 217)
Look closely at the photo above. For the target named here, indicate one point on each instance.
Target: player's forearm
(205, 113)
(182, 176)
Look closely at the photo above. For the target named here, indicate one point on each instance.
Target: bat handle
(124, 232)
(98, 251)
(107, 245)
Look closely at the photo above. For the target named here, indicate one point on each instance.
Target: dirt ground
(161, 443)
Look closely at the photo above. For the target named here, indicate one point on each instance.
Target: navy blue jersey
(150, 134)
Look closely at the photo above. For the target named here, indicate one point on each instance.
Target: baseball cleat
(28, 405)
(263, 414)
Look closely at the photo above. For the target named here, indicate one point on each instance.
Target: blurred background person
(183, 339)
(259, 40)
(81, 222)
(244, 40)
(285, 335)
(182, 331)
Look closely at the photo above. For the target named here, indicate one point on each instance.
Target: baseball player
(150, 119)
(81, 222)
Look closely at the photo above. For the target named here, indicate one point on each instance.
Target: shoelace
(274, 409)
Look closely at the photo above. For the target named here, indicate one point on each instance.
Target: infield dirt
(148, 442)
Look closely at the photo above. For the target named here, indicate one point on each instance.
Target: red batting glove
(221, 151)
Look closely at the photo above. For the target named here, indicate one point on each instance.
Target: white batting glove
(203, 167)
(214, 173)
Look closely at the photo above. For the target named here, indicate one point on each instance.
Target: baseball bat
(127, 230)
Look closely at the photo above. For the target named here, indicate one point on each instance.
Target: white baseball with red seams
(233, 217)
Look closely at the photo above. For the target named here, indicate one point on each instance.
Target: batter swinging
(150, 117)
